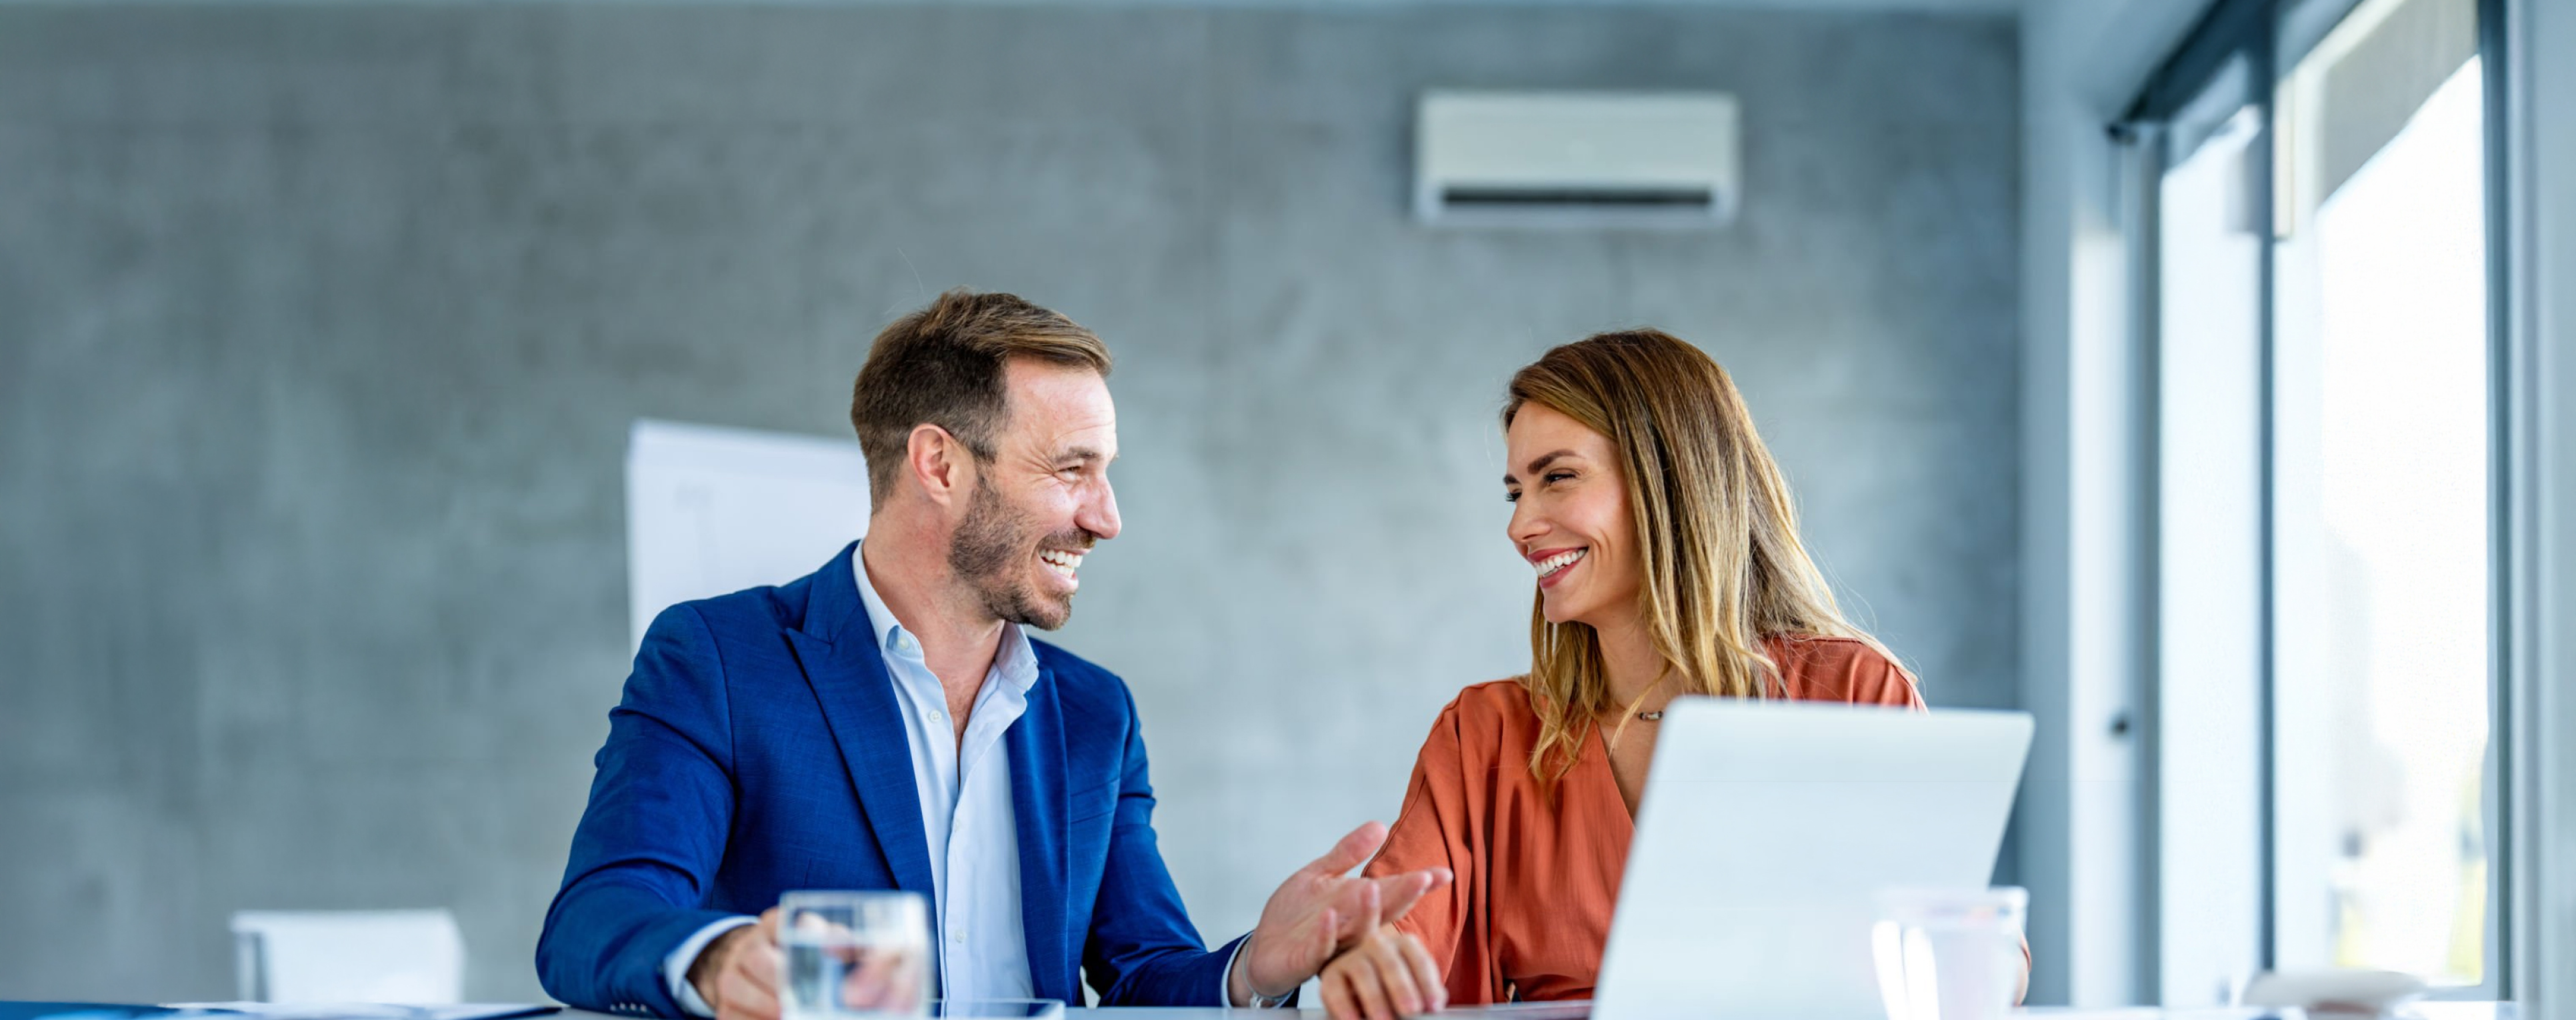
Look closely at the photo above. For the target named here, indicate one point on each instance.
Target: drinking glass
(853, 956)
(1948, 954)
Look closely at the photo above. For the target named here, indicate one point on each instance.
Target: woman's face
(1570, 517)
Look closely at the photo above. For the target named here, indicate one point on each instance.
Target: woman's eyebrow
(1538, 465)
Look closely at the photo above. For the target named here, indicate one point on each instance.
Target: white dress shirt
(981, 948)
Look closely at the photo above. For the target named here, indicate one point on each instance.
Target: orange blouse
(1538, 876)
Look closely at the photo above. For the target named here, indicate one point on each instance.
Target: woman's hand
(1385, 976)
(1318, 912)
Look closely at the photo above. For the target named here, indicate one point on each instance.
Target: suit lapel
(1036, 742)
(848, 675)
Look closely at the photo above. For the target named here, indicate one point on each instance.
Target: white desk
(1580, 1010)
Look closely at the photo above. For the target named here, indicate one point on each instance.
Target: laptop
(1764, 835)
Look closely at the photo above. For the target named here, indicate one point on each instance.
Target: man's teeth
(1061, 561)
(1559, 562)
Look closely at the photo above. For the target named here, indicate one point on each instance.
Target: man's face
(1044, 498)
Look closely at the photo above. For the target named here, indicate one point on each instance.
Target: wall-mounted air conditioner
(1576, 159)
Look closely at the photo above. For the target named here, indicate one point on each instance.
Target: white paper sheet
(711, 510)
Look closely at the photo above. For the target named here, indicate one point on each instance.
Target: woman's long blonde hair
(1717, 536)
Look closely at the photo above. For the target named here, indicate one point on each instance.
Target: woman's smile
(1553, 564)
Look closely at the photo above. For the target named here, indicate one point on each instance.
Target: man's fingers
(903, 989)
(1330, 931)
(746, 1001)
(1400, 892)
(1357, 906)
(758, 964)
(868, 984)
(1426, 973)
(1351, 852)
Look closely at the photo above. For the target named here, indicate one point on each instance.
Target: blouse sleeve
(1876, 680)
(1848, 671)
(1438, 827)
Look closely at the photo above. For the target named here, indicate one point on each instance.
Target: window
(2382, 497)
(2209, 514)
(2324, 574)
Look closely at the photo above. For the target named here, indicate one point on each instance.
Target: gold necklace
(1611, 742)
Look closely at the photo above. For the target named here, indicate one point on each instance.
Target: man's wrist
(1238, 985)
(1240, 992)
(709, 965)
(681, 966)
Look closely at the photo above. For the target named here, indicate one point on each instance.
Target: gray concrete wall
(320, 330)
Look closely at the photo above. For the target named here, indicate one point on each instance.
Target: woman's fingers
(1395, 974)
(1426, 973)
(1337, 996)
(1367, 987)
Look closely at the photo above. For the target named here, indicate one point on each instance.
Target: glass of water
(1949, 954)
(853, 956)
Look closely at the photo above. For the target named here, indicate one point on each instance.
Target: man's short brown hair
(943, 366)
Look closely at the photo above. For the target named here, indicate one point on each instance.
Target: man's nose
(1099, 515)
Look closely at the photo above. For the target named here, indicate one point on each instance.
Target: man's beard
(991, 552)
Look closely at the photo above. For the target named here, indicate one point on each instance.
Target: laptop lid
(1764, 834)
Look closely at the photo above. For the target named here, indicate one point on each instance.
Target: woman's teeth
(1559, 562)
(1061, 561)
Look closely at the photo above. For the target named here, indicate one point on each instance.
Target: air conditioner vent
(1458, 196)
(1576, 159)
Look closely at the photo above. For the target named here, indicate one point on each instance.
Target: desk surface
(2439, 1010)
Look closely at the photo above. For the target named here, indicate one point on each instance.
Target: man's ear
(939, 462)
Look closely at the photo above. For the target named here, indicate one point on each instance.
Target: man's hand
(737, 974)
(1319, 912)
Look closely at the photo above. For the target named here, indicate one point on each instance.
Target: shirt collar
(1016, 661)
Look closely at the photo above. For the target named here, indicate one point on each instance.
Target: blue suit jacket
(758, 750)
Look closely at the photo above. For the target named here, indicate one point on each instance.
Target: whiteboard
(711, 510)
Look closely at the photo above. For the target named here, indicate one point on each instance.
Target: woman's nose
(1525, 527)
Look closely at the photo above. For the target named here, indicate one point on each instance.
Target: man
(887, 723)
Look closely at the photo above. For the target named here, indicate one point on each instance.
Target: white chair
(412, 957)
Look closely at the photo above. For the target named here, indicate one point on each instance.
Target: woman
(1668, 564)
